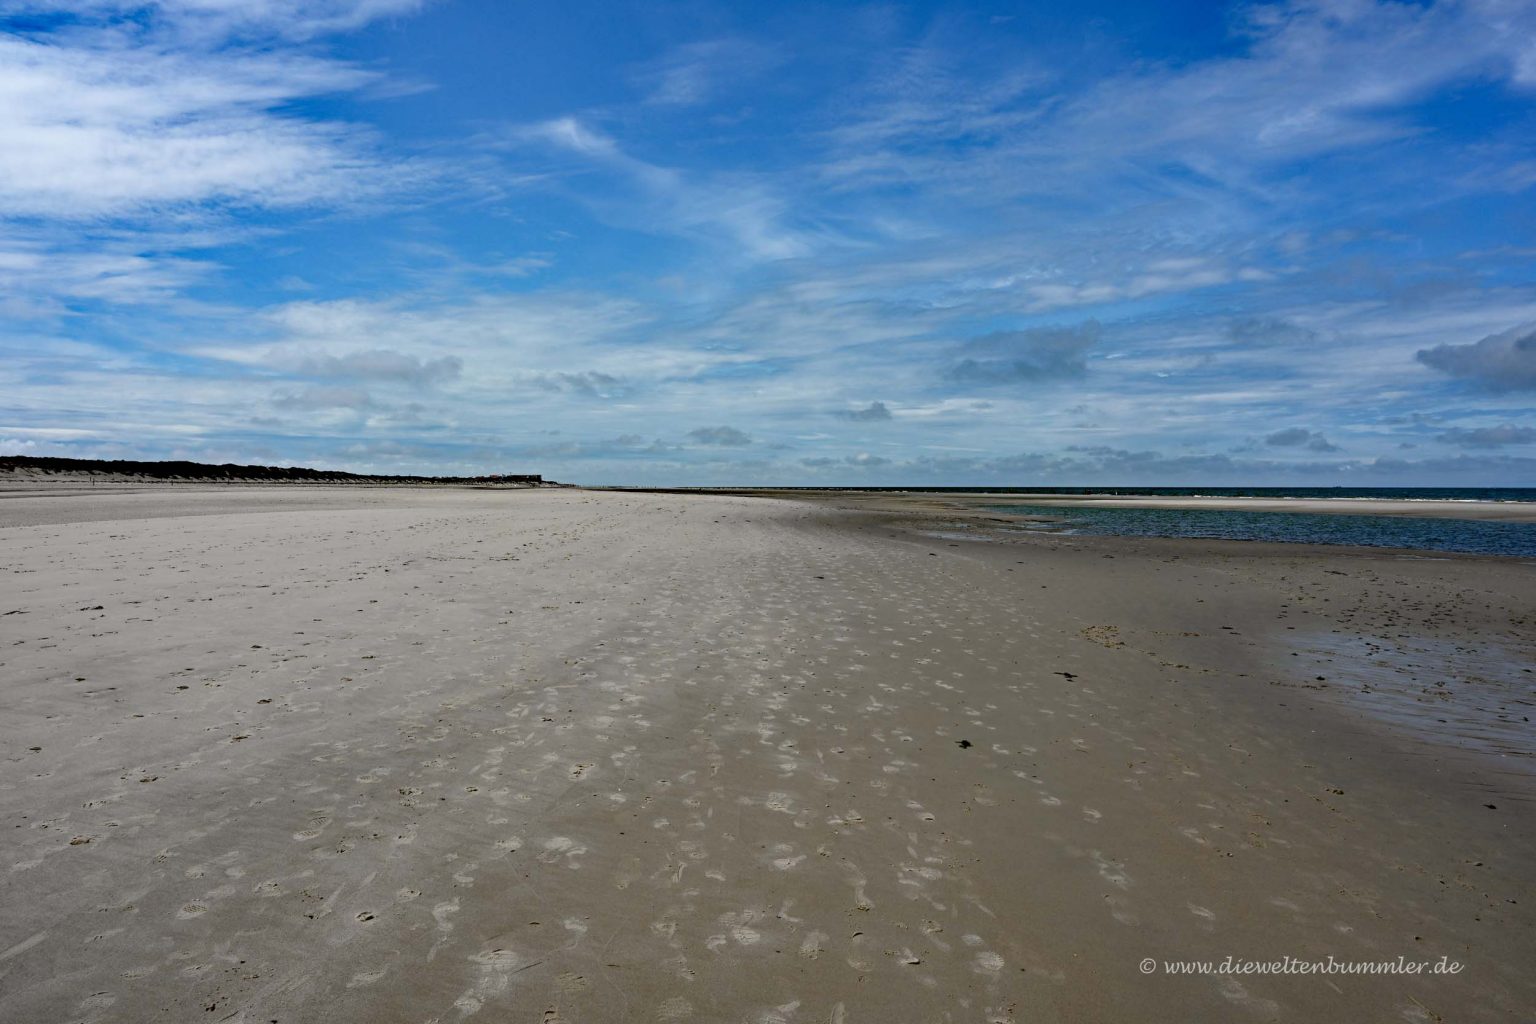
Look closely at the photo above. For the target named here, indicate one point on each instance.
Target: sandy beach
(322, 754)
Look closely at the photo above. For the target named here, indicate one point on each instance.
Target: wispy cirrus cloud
(135, 137)
(739, 207)
(111, 122)
(698, 72)
(1312, 78)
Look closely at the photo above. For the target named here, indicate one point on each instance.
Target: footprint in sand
(317, 823)
(675, 1008)
(813, 944)
(558, 848)
(988, 963)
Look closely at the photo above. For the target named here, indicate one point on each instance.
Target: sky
(793, 243)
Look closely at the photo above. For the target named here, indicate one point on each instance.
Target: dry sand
(370, 755)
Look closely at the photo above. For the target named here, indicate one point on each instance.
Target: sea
(1519, 494)
(1483, 537)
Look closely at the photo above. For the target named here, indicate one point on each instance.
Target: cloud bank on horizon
(930, 243)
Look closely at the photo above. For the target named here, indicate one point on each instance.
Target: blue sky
(711, 243)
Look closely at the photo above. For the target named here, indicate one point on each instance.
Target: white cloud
(694, 72)
(133, 135)
(108, 127)
(39, 268)
(740, 208)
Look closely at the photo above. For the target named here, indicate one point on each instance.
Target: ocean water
(1461, 535)
(1518, 494)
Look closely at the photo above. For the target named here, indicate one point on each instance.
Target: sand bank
(448, 755)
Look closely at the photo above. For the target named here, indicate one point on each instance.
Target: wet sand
(402, 755)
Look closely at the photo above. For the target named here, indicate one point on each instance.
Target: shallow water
(1465, 694)
(1471, 536)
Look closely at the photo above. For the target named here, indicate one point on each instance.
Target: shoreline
(978, 522)
(981, 501)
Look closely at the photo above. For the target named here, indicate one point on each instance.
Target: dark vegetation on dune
(202, 471)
